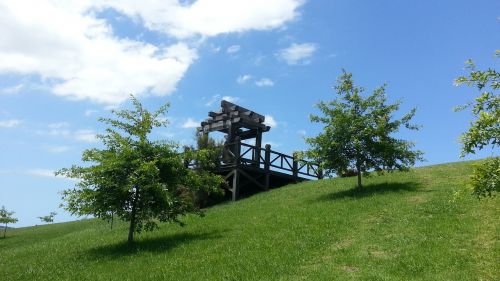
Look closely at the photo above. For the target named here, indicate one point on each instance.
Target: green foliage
(205, 160)
(208, 153)
(357, 133)
(136, 179)
(49, 218)
(485, 179)
(6, 218)
(485, 129)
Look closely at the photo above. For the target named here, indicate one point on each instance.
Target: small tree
(6, 218)
(49, 218)
(134, 178)
(485, 129)
(357, 133)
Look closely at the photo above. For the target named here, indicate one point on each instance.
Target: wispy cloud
(190, 123)
(11, 123)
(218, 98)
(56, 129)
(272, 143)
(85, 135)
(270, 121)
(264, 82)
(297, 53)
(90, 112)
(41, 173)
(57, 148)
(11, 90)
(46, 173)
(233, 49)
(62, 129)
(242, 79)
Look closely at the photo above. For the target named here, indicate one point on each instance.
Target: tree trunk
(358, 167)
(131, 229)
(5, 230)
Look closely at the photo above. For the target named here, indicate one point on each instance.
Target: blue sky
(64, 64)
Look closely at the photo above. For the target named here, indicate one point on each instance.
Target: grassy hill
(402, 227)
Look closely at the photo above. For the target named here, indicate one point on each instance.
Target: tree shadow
(157, 244)
(370, 190)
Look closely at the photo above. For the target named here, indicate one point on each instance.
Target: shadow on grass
(157, 244)
(371, 189)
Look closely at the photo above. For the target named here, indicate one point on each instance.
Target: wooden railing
(239, 153)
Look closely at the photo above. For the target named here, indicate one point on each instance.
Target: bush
(485, 179)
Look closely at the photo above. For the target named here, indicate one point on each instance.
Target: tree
(49, 218)
(205, 158)
(357, 133)
(485, 129)
(6, 218)
(134, 178)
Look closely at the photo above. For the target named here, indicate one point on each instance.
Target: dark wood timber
(245, 164)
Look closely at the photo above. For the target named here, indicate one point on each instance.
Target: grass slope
(402, 227)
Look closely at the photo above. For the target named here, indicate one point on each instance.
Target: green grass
(403, 226)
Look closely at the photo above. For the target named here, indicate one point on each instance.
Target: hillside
(402, 227)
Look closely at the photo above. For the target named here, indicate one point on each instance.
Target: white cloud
(57, 149)
(297, 53)
(270, 121)
(209, 17)
(231, 99)
(190, 123)
(302, 133)
(41, 173)
(258, 60)
(233, 49)
(218, 98)
(264, 82)
(85, 136)
(89, 112)
(46, 173)
(10, 123)
(242, 79)
(11, 90)
(56, 129)
(272, 143)
(58, 125)
(77, 56)
(215, 49)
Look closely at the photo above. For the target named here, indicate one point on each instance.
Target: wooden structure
(242, 163)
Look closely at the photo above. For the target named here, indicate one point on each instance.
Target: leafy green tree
(49, 218)
(205, 160)
(6, 218)
(134, 178)
(357, 133)
(485, 129)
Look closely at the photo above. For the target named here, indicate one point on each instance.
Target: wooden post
(295, 169)
(236, 184)
(237, 150)
(267, 164)
(258, 144)
(236, 175)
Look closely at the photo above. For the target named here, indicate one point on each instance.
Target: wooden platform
(245, 165)
(254, 167)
